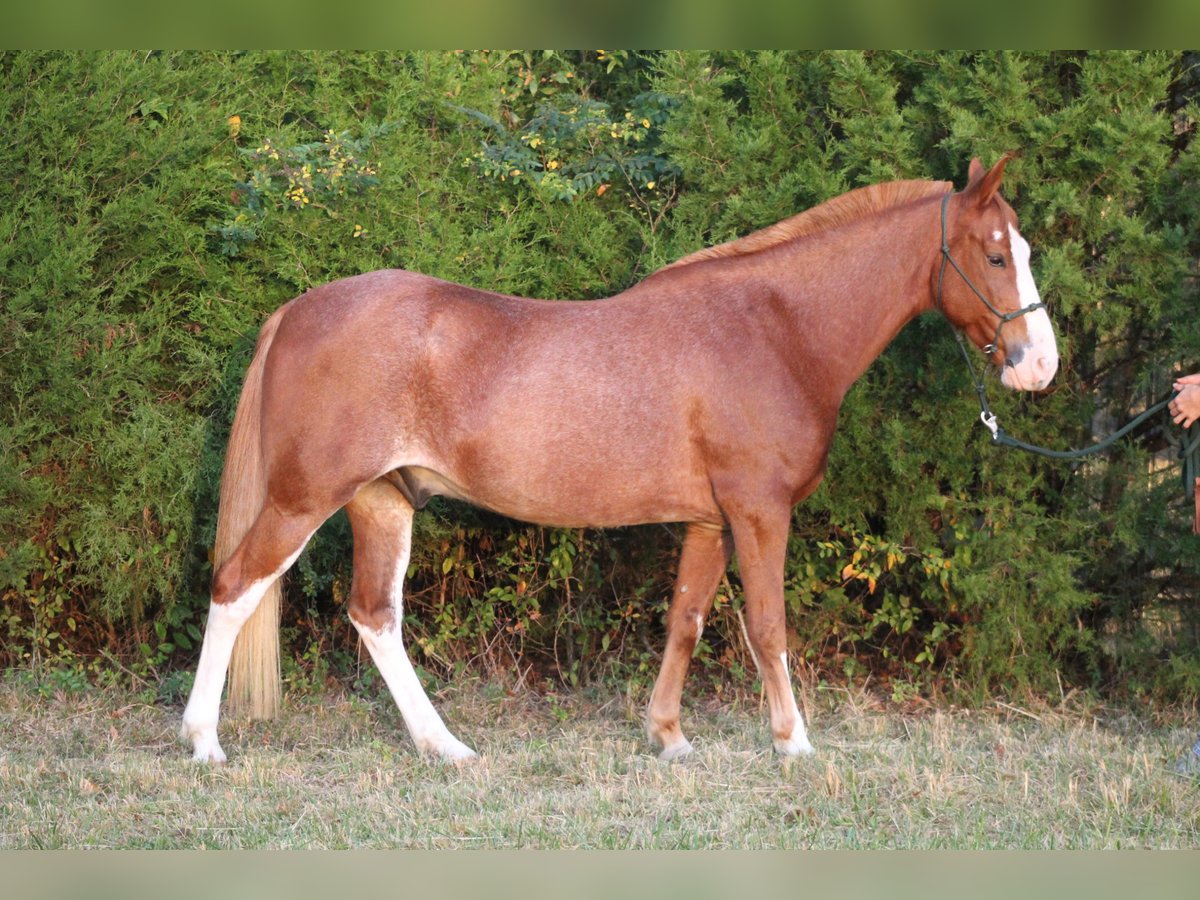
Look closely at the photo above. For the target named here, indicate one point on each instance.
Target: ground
(104, 769)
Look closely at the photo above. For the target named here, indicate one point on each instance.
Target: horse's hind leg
(267, 551)
(705, 556)
(381, 519)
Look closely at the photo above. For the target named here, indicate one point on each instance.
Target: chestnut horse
(707, 394)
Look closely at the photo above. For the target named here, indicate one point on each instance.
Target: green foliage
(159, 205)
(581, 149)
(320, 174)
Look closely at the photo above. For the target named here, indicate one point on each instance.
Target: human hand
(1185, 408)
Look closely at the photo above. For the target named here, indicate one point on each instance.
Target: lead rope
(1189, 444)
(1189, 453)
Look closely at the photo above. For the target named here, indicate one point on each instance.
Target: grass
(100, 769)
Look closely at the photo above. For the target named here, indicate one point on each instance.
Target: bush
(160, 205)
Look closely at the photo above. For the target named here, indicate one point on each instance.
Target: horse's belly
(559, 500)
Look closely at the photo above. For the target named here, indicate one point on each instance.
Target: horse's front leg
(705, 556)
(761, 543)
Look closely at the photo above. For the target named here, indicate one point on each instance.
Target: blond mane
(848, 207)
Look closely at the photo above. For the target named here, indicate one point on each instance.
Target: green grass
(105, 770)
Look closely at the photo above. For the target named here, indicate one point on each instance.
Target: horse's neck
(860, 287)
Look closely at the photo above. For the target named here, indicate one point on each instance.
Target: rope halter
(1004, 318)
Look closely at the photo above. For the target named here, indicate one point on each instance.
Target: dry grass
(103, 770)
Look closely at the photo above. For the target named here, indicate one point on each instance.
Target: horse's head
(985, 286)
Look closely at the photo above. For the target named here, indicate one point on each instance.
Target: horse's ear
(983, 186)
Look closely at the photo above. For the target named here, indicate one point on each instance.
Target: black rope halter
(1004, 318)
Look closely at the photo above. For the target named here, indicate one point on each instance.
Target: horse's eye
(996, 260)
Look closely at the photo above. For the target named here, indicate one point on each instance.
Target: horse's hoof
(450, 750)
(208, 752)
(679, 750)
(793, 746)
(205, 746)
(465, 757)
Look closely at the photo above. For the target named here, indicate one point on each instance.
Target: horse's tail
(254, 680)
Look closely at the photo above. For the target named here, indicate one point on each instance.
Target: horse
(706, 394)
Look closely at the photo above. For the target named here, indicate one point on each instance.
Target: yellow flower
(650, 185)
(553, 164)
(645, 123)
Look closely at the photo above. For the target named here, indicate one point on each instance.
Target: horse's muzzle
(1029, 369)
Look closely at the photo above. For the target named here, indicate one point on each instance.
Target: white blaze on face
(1039, 360)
